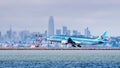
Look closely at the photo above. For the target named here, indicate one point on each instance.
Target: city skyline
(68, 30)
(32, 15)
(62, 31)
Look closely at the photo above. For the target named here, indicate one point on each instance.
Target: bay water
(59, 58)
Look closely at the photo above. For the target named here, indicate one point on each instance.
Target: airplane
(76, 41)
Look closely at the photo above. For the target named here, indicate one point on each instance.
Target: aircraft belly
(86, 43)
(89, 43)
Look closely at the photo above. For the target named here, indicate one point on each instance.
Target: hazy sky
(33, 15)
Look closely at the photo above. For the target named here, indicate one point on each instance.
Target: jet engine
(64, 42)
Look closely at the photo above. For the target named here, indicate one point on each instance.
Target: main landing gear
(73, 43)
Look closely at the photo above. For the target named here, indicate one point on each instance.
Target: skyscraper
(87, 32)
(51, 26)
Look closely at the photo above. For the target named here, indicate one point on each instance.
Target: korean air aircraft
(76, 41)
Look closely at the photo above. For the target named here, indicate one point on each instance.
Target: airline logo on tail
(103, 35)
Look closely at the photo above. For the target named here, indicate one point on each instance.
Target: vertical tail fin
(103, 35)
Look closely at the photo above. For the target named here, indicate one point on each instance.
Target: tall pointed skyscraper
(51, 26)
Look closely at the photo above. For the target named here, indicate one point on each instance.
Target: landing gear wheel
(73, 46)
(78, 45)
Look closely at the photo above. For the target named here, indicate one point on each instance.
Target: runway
(56, 48)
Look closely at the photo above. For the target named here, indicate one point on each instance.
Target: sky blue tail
(103, 35)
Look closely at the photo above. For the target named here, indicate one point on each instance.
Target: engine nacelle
(64, 41)
(100, 42)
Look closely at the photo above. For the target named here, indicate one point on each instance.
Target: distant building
(24, 35)
(45, 33)
(64, 30)
(87, 32)
(14, 35)
(51, 26)
(33, 35)
(9, 34)
(68, 33)
(58, 32)
(0, 35)
(78, 33)
(75, 33)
